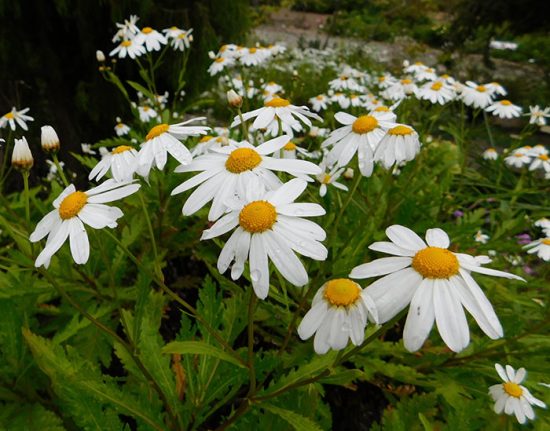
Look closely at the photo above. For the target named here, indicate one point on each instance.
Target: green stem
(243, 125)
(251, 369)
(60, 170)
(158, 272)
(25, 175)
(486, 120)
(356, 181)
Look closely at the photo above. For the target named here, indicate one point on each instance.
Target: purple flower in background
(458, 213)
(528, 270)
(523, 238)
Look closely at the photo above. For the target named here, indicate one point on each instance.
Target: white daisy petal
(449, 316)
(78, 239)
(259, 269)
(405, 238)
(380, 266)
(421, 316)
(312, 320)
(437, 238)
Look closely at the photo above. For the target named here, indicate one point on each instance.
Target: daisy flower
(227, 171)
(436, 92)
(512, 398)
(146, 113)
(16, 117)
(481, 237)
(163, 139)
(273, 88)
(182, 40)
(496, 88)
(544, 224)
(219, 64)
(538, 115)
(400, 89)
(399, 145)
(270, 226)
(339, 312)
(275, 110)
(72, 210)
(540, 247)
(504, 109)
(490, 154)
(518, 158)
(342, 100)
(21, 157)
(121, 129)
(435, 282)
(476, 96)
(151, 38)
(291, 150)
(122, 161)
(541, 161)
(131, 48)
(328, 177)
(253, 56)
(359, 135)
(127, 30)
(345, 82)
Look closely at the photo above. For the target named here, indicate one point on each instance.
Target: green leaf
(298, 422)
(142, 89)
(199, 348)
(29, 417)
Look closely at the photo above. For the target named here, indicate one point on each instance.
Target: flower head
(16, 117)
(49, 139)
(21, 157)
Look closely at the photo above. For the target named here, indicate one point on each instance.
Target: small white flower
(319, 103)
(269, 225)
(481, 237)
(490, 154)
(436, 92)
(328, 177)
(512, 398)
(131, 48)
(339, 312)
(72, 210)
(146, 113)
(544, 224)
(540, 247)
(219, 64)
(122, 161)
(541, 161)
(16, 117)
(476, 96)
(399, 145)
(436, 282)
(538, 115)
(122, 129)
(504, 109)
(151, 38)
(518, 158)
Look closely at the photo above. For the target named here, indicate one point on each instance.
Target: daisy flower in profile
(279, 109)
(122, 161)
(329, 177)
(73, 209)
(359, 135)
(399, 90)
(319, 103)
(269, 225)
(344, 82)
(253, 56)
(121, 129)
(476, 96)
(496, 88)
(131, 48)
(339, 312)
(273, 88)
(146, 113)
(540, 161)
(399, 145)
(21, 157)
(16, 117)
(518, 158)
(151, 39)
(538, 115)
(544, 224)
(540, 247)
(219, 64)
(182, 40)
(163, 139)
(436, 92)
(227, 171)
(291, 151)
(504, 109)
(437, 284)
(511, 397)
(127, 30)
(490, 154)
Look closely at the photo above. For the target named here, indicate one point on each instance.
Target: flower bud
(100, 56)
(234, 99)
(348, 174)
(21, 157)
(49, 139)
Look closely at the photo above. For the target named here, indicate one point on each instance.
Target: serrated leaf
(297, 421)
(199, 348)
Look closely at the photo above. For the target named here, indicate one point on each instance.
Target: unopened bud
(49, 139)
(348, 174)
(21, 157)
(234, 99)
(100, 56)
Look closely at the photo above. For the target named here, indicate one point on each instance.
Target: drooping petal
(381, 266)
(449, 316)
(421, 316)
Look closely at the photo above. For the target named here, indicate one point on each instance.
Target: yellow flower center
(481, 89)
(518, 155)
(206, 138)
(546, 241)
(445, 76)
(364, 124)
(436, 86)
(505, 102)
(72, 204)
(9, 116)
(543, 157)
(382, 109)
(491, 150)
(252, 50)
(326, 179)
(406, 81)
(126, 43)
(344, 78)
(512, 389)
(277, 102)
(319, 97)
(257, 216)
(146, 30)
(381, 78)
(435, 262)
(419, 63)
(242, 159)
(342, 292)
(291, 146)
(219, 60)
(121, 149)
(400, 130)
(157, 131)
